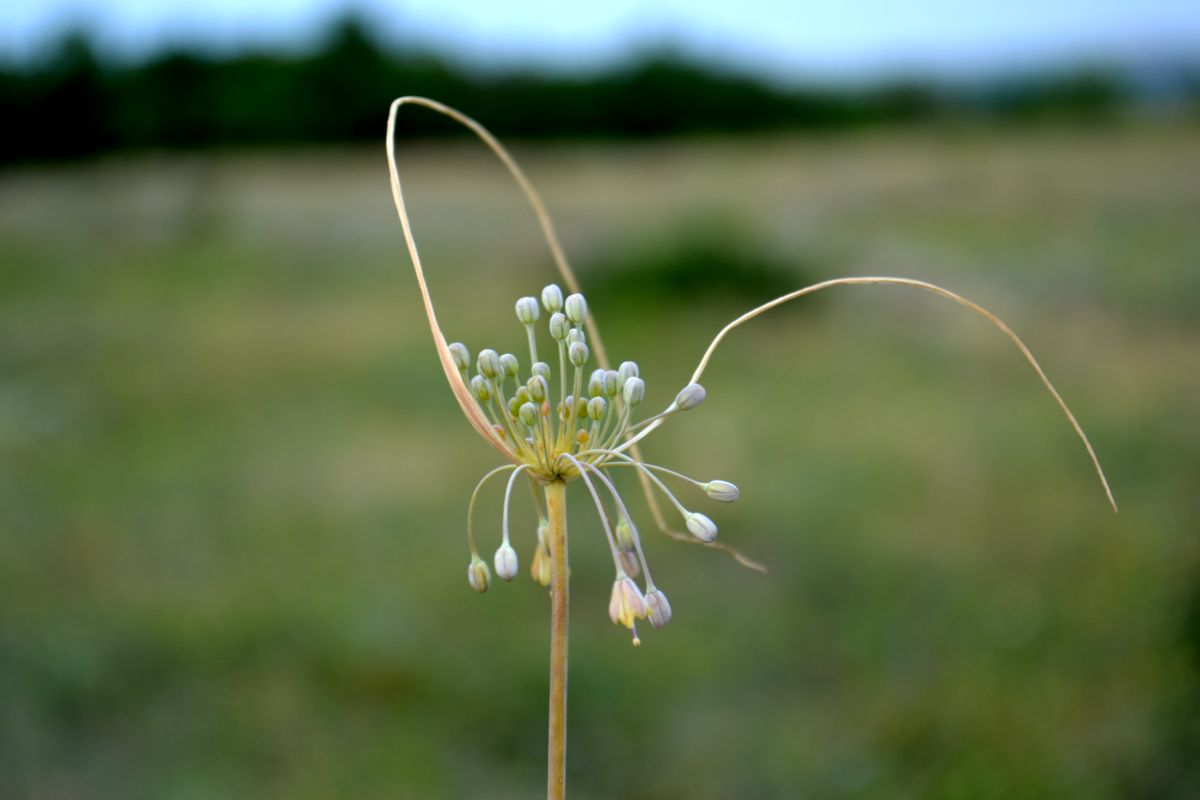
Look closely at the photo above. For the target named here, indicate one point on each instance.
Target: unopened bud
(541, 368)
(522, 395)
(634, 391)
(595, 385)
(537, 389)
(576, 308)
(461, 356)
(701, 526)
(527, 310)
(612, 383)
(510, 365)
(721, 491)
(690, 396)
(528, 413)
(559, 325)
(577, 354)
(478, 575)
(489, 364)
(576, 335)
(480, 388)
(627, 370)
(514, 407)
(629, 563)
(506, 562)
(597, 407)
(624, 534)
(658, 610)
(541, 565)
(552, 298)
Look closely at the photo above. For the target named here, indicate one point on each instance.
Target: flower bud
(528, 413)
(522, 395)
(510, 365)
(634, 391)
(658, 610)
(480, 388)
(527, 310)
(690, 396)
(581, 407)
(597, 407)
(629, 563)
(478, 575)
(626, 603)
(540, 569)
(559, 326)
(577, 354)
(595, 385)
(612, 383)
(461, 356)
(537, 389)
(576, 308)
(700, 526)
(576, 335)
(627, 370)
(506, 562)
(624, 535)
(564, 408)
(721, 491)
(489, 364)
(514, 407)
(552, 298)
(541, 368)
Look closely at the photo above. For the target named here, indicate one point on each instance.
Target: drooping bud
(527, 310)
(528, 413)
(552, 298)
(510, 365)
(721, 491)
(541, 566)
(537, 389)
(658, 610)
(634, 391)
(700, 526)
(461, 356)
(596, 409)
(478, 575)
(506, 562)
(577, 354)
(489, 364)
(627, 370)
(626, 603)
(480, 388)
(576, 308)
(612, 383)
(629, 563)
(559, 325)
(624, 535)
(541, 368)
(690, 396)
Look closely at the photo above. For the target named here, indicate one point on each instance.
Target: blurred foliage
(233, 481)
(74, 102)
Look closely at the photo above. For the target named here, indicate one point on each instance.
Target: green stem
(556, 540)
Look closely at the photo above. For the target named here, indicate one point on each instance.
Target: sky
(837, 37)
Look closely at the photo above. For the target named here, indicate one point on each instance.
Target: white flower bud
(576, 308)
(721, 491)
(634, 391)
(658, 610)
(480, 388)
(612, 383)
(627, 370)
(506, 562)
(577, 354)
(478, 575)
(510, 364)
(690, 396)
(624, 535)
(629, 563)
(529, 414)
(527, 310)
(596, 409)
(552, 298)
(559, 326)
(537, 389)
(489, 364)
(595, 385)
(541, 368)
(576, 335)
(701, 526)
(461, 356)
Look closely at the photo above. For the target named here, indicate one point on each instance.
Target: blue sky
(851, 37)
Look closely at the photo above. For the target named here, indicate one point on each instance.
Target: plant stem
(556, 770)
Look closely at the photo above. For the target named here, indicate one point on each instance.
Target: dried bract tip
(658, 610)
(576, 308)
(506, 562)
(700, 526)
(478, 575)
(552, 298)
(721, 491)
(690, 396)
(527, 310)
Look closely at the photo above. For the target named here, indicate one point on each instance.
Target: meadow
(234, 483)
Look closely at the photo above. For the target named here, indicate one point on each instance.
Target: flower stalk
(556, 540)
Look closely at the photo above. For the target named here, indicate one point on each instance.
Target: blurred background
(233, 482)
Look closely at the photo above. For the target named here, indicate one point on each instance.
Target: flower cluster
(566, 428)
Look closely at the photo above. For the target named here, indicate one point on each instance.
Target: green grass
(234, 484)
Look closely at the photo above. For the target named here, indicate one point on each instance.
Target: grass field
(234, 484)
